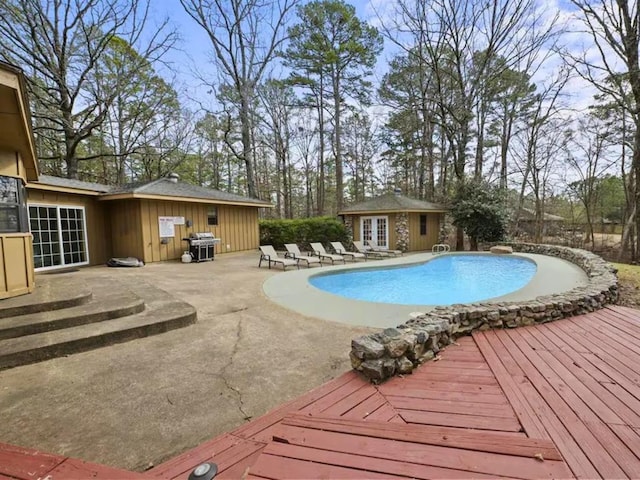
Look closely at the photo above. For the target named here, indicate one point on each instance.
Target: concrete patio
(136, 404)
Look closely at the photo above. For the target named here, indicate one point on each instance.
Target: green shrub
(302, 231)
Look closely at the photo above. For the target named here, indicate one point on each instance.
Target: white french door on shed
(59, 236)
(375, 228)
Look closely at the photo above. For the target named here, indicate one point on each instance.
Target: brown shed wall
(419, 242)
(237, 227)
(126, 230)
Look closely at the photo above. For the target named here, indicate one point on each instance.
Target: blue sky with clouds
(192, 58)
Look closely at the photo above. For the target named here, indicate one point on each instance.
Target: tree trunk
(636, 172)
(321, 167)
(337, 106)
(247, 157)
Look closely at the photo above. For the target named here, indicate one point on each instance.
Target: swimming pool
(443, 280)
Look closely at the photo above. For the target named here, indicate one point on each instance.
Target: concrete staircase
(65, 316)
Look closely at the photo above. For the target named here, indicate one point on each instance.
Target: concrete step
(162, 313)
(50, 294)
(104, 305)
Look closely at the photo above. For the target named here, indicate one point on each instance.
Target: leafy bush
(479, 209)
(302, 231)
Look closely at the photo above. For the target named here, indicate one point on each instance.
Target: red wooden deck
(549, 401)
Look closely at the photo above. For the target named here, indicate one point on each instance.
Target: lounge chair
(340, 250)
(294, 252)
(374, 246)
(268, 253)
(318, 249)
(368, 251)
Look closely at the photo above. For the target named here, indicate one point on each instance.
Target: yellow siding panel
(10, 165)
(17, 265)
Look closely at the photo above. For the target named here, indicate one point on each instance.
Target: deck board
(25, 463)
(575, 457)
(482, 441)
(429, 455)
(588, 441)
(556, 400)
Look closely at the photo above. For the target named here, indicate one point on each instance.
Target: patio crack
(223, 374)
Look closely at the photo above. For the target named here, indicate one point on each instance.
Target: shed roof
(16, 133)
(393, 202)
(171, 189)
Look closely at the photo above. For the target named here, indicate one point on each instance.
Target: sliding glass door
(59, 236)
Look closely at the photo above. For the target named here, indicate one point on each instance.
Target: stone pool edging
(399, 350)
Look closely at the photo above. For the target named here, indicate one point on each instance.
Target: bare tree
(541, 143)
(60, 43)
(277, 100)
(245, 36)
(461, 43)
(614, 26)
(590, 159)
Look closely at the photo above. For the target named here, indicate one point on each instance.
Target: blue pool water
(442, 281)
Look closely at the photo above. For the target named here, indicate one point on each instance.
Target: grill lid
(201, 236)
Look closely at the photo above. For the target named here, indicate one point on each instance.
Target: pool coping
(293, 291)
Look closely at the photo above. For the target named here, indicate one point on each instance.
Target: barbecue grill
(202, 246)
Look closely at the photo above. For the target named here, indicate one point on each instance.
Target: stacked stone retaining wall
(399, 350)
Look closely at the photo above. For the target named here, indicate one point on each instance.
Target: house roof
(170, 188)
(167, 188)
(16, 133)
(393, 202)
(45, 182)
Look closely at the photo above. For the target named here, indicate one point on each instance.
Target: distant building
(395, 221)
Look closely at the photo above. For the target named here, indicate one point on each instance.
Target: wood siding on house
(16, 264)
(419, 242)
(96, 218)
(16, 251)
(126, 229)
(237, 227)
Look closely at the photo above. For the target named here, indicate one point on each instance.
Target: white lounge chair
(268, 253)
(340, 250)
(318, 249)
(294, 252)
(374, 246)
(368, 251)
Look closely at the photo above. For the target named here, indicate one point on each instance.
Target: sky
(192, 57)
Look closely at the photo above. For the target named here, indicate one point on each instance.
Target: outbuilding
(78, 223)
(395, 221)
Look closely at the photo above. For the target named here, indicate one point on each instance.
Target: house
(80, 223)
(49, 222)
(17, 167)
(395, 221)
(551, 224)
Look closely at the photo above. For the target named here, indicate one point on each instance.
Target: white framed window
(375, 228)
(59, 236)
